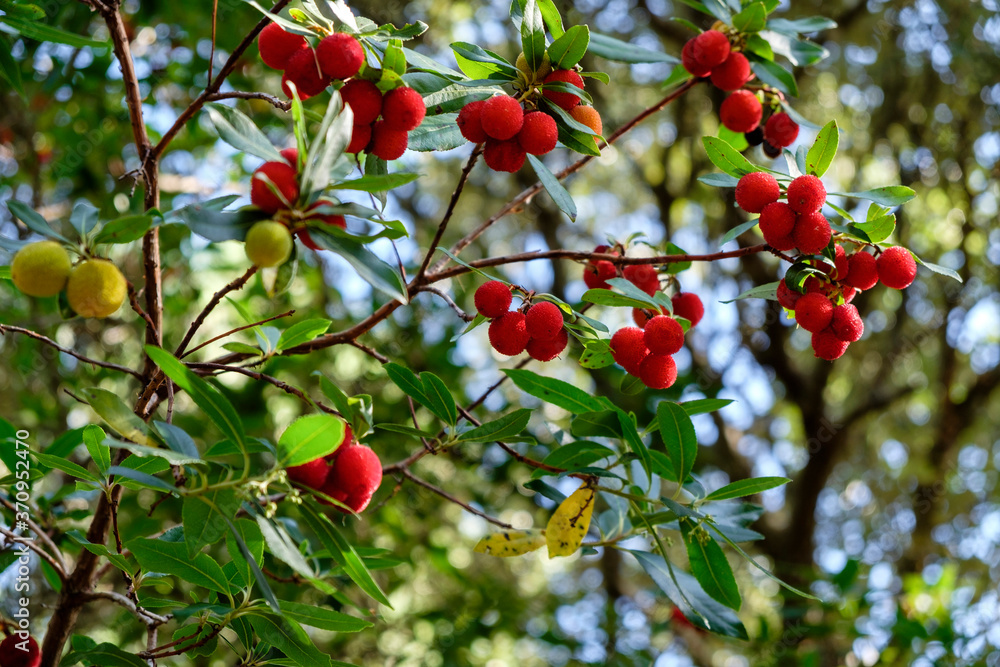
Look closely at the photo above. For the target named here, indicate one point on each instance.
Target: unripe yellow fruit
(41, 269)
(543, 70)
(268, 243)
(96, 288)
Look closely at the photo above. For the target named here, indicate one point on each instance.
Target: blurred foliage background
(893, 516)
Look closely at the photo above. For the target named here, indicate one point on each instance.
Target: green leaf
(718, 9)
(329, 145)
(83, 217)
(406, 380)
(759, 46)
(563, 394)
(289, 638)
(631, 436)
(142, 479)
(701, 406)
(498, 429)
(369, 266)
(45, 33)
(775, 75)
(727, 158)
(937, 268)
(377, 183)
(533, 35)
(394, 60)
(552, 18)
(578, 455)
(803, 25)
(34, 221)
(737, 230)
(126, 229)
(252, 548)
(205, 516)
(478, 63)
(118, 416)
(177, 439)
(889, 195)
(568, 49)
(875, 231)
(10, 70)
(208, 398)
(322, 618)
(302, 332)
(768, 291)
(283, 547)
(309, 438)
(105, 655)
(142, 451)
(710, 566)
(237, 130)
(746, 487)
(552, 185)
(438, 398)
(66, 466)
(679, 437)
(753, 561)
(752, 18)
(610, 48)
(93, 437)
(719, 180)
(596, 354)
(438, 133)
(172, 558)
(823, 150)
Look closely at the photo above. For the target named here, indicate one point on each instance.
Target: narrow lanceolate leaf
(406, 380)
(552, 185)
(507, 426)
(533, 35)
(309, 438)
(34, 221)
(118, 416)
(439, 398)
(678, 436)
(237, 130)
(106, 655)
(205, 517)
(172, 558)
(746, 487)
(567, 51)
(372, 269)
(823, 150)
(66, 466)
(563, 394)
(709, 565)
(623, 52)
(727, 158)
(511, 543)
(286, 636)
(93, 437)
(44, 33)
(890, 195)
(302, 332)
(322, 618)
(570, 522)
(10, 69)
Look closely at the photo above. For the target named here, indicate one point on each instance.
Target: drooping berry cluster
(539, 330)
(794, 223)
(351, 474)
(401, 109)
(647, 351)
(337, 57)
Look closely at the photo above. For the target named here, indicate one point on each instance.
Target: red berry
(282, 177)
(780, 130)
(787, 297)
(354, 477)
(538, 134)
(813, 312)
(827, 346)
(470, 122)
(504, 155)
(848, 293)
(304, 72)
(276, 45)
(329, 219)
(658, 371)
(547, 350)
(403, 109)
(493, 299)
(711, 48)
(587, 115)
(741, 111)
(806, 194)
(644, 277)
(312, 474)
(501, 117)
(777, 220)
(11, 654)
(360, 138)
(812, 233)
(543, 320)
(365, 100)
(689, 61)
(344, 442)
(509, 334)
(840, 264)
(896, 267)
(846, 323)
(640, 318)
(664, 335)
(628, 347)
(688, 306)
(387, 143)
(756, 190)
(732, 73)
(597, 274)
(862, 272)
(291, 156)
(565, 100)
(340, 55)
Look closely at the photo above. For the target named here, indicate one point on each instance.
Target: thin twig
(144, 615)
(210, 306)
(447, 496)
(223, 368)
(133, 301)
(237, 330)
(42, 553)
(4, 328)
(447, 299)
(371, 352)
(157, 652)
(37, 530)
(277, 103)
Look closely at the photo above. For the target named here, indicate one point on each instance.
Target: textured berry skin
(354, 477)
(387, 143)
(689, 306)
(644, 277)
(334, 219)
(345, 441)
(312, 474)
(509, 333)
(658, 371)
(813, 312)
(470, 122)
(291, 156)
(780, 130)
(340, 55)
(268, 243)
(538, 134)
(589, 117)
(364, 98)
(403, 109)
(41, 268)
(360, 138)
(628, 347)
(303, 71)
(846, 323)
(96, 288)
(277, 45)
(597, 274)
(777, 220)
(787, 297)
(12, 656)
(812, 233)
(896, 267)
(840, 262)
(565, 100)
(640, 318)
(827, 346)
(848, 293)
(732, 73)
(741, 111)
(283, 177)
(543, 320)
(493, 299)
(501, 117)
(505, 156)
(756, 190)
(547, 350)
(711, 48)
(691, 63)
(806, 194)
(862, 271)
(664, 335)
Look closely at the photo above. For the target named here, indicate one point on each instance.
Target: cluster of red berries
(351, 474)
(795, 223)
(539, 330)
(283, 177)
(401, 109)
(647, 352)
(12, 655)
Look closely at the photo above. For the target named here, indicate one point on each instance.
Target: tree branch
(4, 328)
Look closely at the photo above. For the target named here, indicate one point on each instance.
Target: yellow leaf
(569, 524)
(511, 543)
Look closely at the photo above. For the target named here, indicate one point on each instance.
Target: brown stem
(210, 306)
(237, 330)
(4, 328)
(447, 496)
